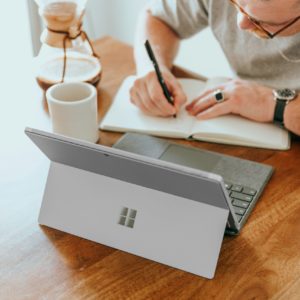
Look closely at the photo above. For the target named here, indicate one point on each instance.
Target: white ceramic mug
(73, 110)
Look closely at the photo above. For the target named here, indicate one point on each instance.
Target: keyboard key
(248, 191)
(239, 210)
(237, 188)
(239, 218)
(228, 186)
(241, 196)
(240, 203)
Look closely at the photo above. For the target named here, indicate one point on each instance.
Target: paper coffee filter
(78, 69)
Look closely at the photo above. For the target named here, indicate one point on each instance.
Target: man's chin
(257, 33)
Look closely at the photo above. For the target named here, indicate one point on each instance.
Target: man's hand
(244, 98)
(148, 95)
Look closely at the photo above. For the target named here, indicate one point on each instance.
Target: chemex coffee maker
(66, 53)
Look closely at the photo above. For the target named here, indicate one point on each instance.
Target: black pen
(159, 75)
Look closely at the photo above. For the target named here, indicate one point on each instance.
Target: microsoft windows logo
(127, 217)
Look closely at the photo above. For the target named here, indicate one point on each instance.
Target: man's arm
(247, 99)
(146, 92)
(292, 116)
(164, 41)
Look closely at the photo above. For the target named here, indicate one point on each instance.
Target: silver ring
(219, 95)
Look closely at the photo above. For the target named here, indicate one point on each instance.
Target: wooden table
(37, 262)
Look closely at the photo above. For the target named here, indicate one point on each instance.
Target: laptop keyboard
(241, 198)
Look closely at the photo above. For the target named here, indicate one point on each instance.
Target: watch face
(285, 94)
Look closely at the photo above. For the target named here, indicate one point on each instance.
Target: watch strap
(279, 111)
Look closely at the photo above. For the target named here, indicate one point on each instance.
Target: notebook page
(123, 116)
(236, 130)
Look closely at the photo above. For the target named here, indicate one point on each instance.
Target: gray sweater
(250, 58)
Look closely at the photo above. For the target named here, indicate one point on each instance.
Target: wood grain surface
(37, 262)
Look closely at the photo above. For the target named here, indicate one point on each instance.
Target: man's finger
(157, 96)
(194, 102)
(179, 98)
(203, 95)
(140, 104)
(151, 105)
(219, 109)
(202, 104)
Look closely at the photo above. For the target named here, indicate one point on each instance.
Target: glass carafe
(66, 53)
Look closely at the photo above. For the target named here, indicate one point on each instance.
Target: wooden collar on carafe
(55, 39)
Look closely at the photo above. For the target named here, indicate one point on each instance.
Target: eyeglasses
(258, 25)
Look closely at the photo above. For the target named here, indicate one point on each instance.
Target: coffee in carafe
(66, 53)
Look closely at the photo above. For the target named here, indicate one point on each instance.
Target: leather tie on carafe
(70, 37)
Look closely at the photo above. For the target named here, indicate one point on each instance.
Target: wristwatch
(282, 98)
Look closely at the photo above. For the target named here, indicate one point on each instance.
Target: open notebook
(124, 116)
